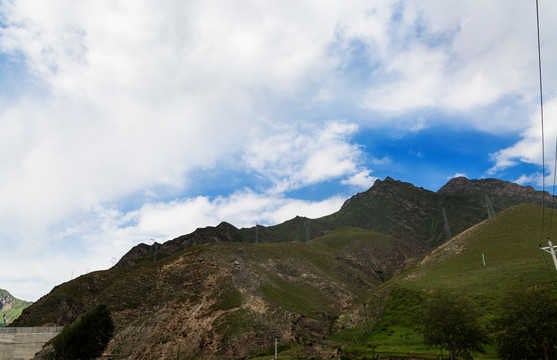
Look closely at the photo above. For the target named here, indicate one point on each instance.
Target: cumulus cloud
(457, 57)
(300, 157)
(129, 99)
(529, 179)
(361, 180)
(106, 234)
(529, 148)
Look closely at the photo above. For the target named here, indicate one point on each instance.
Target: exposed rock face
(493, 187)
(223, 232)
(228, 300)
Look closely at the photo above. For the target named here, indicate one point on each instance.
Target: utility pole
(276, 348)
(307, 231)
(550, 249)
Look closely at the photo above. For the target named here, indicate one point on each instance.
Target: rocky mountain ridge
(224, 232)
(415, 214)
(391, 207)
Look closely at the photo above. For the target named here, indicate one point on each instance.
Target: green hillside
(10, 307)
(390, 207)
(508, 242)
(407, 212)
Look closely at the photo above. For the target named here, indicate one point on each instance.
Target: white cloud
(459, 56)
(297, 158)
(529, 148)
(105, 233)
(165, 220)
(386, 160)
(133, 97)
(360, 180)
(529, 179)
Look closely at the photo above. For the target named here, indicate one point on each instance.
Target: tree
(87, 337)
(527, 324)
(451, 322)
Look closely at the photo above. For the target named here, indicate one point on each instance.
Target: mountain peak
(210, 234)
(493, 187)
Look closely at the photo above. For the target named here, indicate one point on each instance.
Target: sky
(130, 121)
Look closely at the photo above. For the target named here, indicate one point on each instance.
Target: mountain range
(223, 292)
(391, 207)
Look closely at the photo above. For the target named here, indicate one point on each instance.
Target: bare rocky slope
(216, 294)
(227, 299)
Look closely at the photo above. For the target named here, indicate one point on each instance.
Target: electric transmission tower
(154, 247)
(550, 249)
(490, 211)
(447, 229)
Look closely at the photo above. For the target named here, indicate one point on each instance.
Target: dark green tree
(527, 324)
(87, 337)
(452, 323)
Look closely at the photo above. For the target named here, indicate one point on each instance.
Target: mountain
(507, 242)
(404, 211)
(391, 207)
(10, 307)
(215, 293)
(229, 299)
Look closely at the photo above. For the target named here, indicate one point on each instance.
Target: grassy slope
(509, 242)
(407, 212)
(13, 311)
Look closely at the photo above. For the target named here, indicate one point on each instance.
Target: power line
(541, 113)
(550, 248)
(553, 192)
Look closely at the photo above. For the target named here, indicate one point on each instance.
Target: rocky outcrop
(494, 187)
(223, 232)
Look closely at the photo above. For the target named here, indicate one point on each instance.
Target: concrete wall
(23, 343)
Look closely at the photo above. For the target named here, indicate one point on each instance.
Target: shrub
(87, 337)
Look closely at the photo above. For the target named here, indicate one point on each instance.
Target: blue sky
(126, 121)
